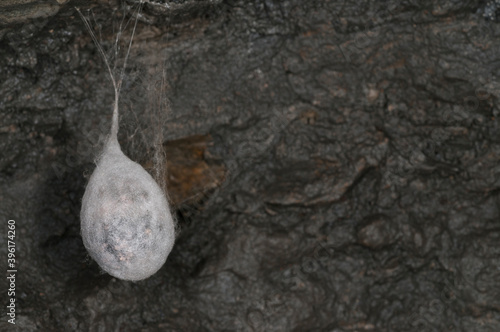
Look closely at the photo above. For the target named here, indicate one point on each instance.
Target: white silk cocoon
(126, 223)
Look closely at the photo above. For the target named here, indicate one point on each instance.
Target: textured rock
(377, 232)
(360, 147)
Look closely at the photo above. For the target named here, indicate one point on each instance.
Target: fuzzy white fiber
(126, 222)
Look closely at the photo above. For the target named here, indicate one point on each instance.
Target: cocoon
(126, 223)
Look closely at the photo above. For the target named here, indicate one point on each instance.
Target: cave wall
(349, 150)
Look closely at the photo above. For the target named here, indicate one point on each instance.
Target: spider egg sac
(126, 223)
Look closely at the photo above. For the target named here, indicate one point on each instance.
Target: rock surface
(360, 144)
